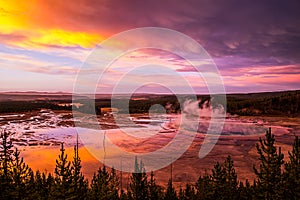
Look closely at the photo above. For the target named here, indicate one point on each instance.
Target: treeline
(141, 105)
(268, 104)
(28, 106)
(273, 103)
(282, 103)
(275, 179)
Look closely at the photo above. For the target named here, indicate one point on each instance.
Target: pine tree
(49, 184)
(114, 185)
(139, 184)
(6, 152)
(42, 187)
(245, 192)
(104, 185)
(21, 177)
(63, 177)
(219, 181)
(79, 187)
(155, 191)
(99, 185)
(5, 160)
(31, 188)
(170, 193)
(204, 187)
(231, 190)
(189, 192)
(292, 172)
(222, 184)
(181, 195)
(269, 175)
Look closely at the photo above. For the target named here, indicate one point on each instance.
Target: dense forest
(267, 104)
(276, 178)
(28, 106)
(280, 103)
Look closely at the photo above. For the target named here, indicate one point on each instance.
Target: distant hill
(268, 103)
(285, 103)
(33, 96)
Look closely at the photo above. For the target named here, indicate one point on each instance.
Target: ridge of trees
(270, 103)
(282, 103)
(28, 106)
(275, 178)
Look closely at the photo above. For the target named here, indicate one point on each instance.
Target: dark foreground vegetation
(275, 178)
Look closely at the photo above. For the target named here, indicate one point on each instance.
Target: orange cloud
(36, 29)
(63, 38)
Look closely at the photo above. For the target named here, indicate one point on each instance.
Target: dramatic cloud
(254, 43)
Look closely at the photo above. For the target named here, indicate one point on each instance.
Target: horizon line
(140, 93)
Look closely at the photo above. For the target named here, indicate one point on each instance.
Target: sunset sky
(255, 44)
